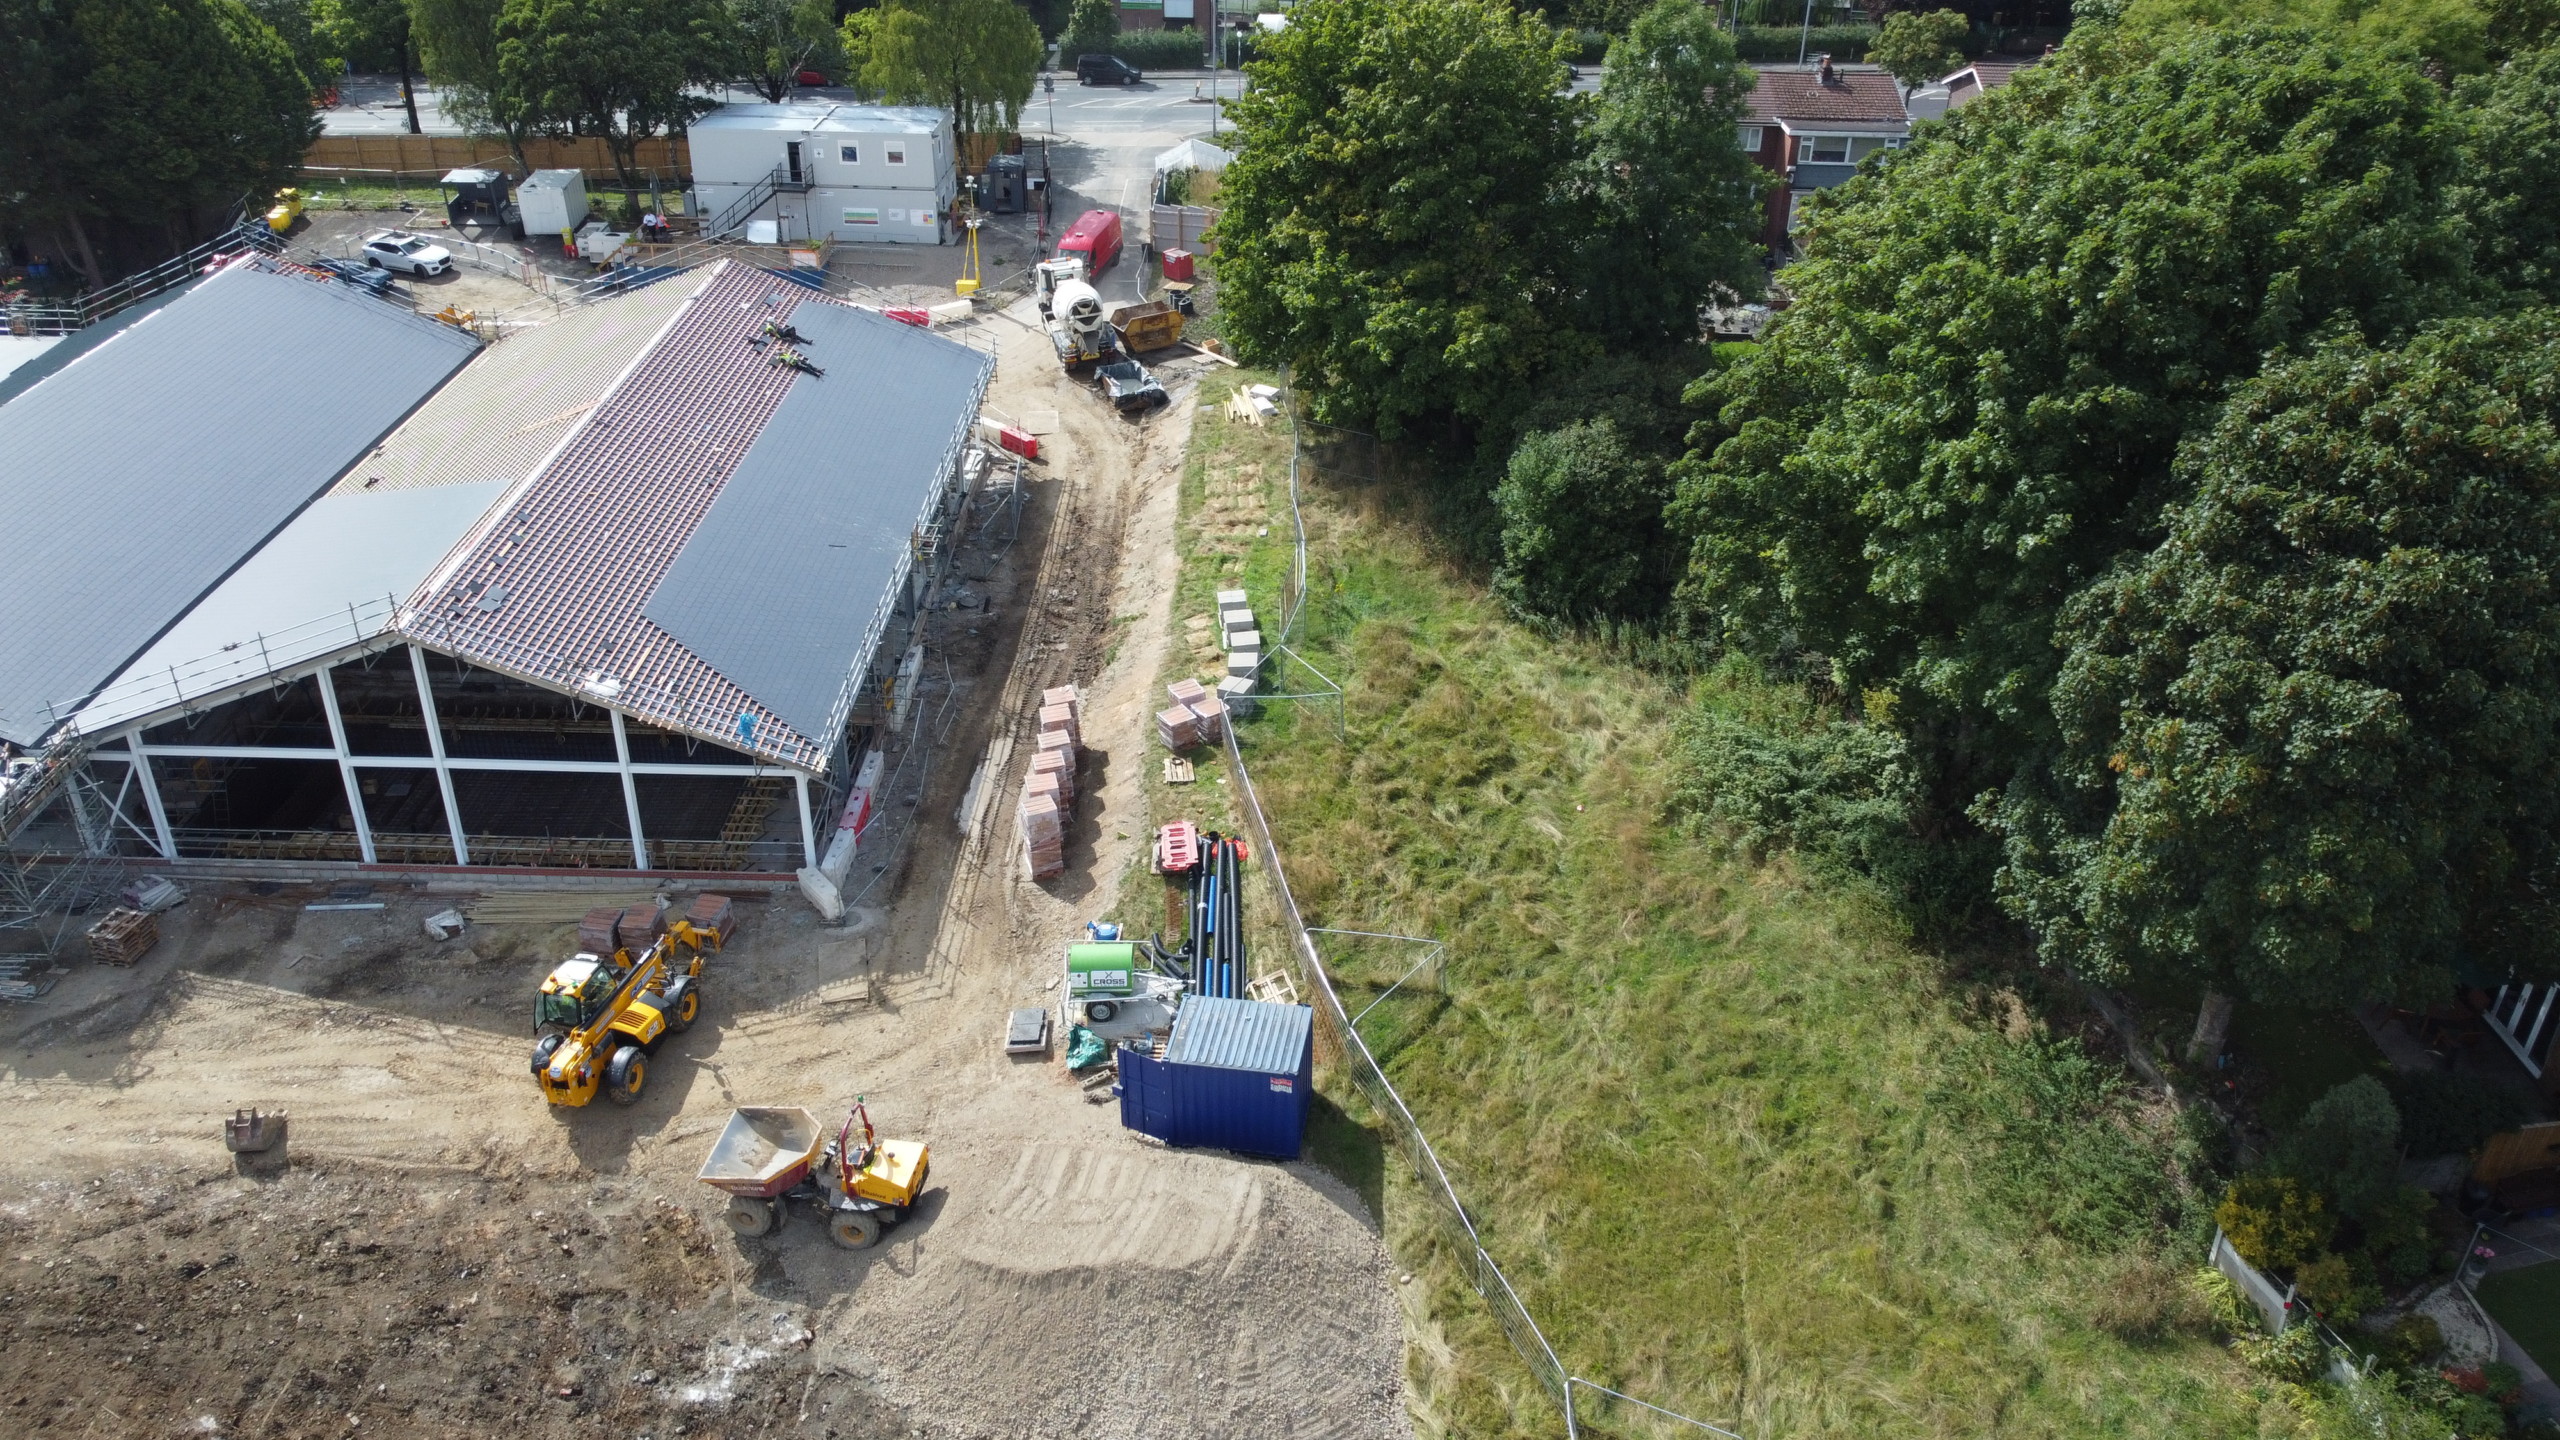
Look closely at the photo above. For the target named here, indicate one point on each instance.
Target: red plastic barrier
(917, 318)
(1020, 442)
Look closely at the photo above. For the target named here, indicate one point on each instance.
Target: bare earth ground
(447, 1257)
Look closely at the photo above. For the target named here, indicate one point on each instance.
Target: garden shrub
(2274, 1222)
(1162, 49)
(2295, 1356)
(2066, 1149)
(2338, 1287)
(2412, 1342)
(2347, 1147)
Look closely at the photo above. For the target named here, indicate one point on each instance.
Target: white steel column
(435, 747)
(346, 768)
(630, 790)
(168, 841)
(808, 830)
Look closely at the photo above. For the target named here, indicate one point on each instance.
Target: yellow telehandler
(599, 1018)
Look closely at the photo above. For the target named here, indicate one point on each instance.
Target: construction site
(506, 825)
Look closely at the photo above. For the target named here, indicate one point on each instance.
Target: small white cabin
(853, 172)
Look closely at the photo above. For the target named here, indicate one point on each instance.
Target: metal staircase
(734, 216)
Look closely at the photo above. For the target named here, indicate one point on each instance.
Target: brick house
(1812, 125)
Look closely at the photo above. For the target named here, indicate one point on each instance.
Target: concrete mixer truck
(1077, 328)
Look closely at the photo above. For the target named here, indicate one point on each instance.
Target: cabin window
(850, 154)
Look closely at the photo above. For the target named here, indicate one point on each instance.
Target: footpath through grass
(1705, 1113)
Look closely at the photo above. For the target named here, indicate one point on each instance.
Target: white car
(408, 254)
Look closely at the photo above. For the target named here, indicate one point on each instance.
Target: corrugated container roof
(152, 465)
(773, 584)
(807, 116)
(1251, 1035)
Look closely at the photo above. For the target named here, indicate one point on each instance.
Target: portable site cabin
(554, 202)
(819, 170)
(1236, 1074)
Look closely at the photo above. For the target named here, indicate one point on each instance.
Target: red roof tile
(1856, 94)
(551, 585)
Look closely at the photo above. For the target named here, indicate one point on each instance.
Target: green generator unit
(1099, 972)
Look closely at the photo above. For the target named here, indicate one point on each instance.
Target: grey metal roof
(774, 584)
(330, 579)
(140, 474)
(1240, 1035)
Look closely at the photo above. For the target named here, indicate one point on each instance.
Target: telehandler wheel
(623, 1077)
(543, 1050)
(688, 1009)
(854, 1229)
(751, 1218)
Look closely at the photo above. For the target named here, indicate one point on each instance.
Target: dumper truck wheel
(854, 1229)
(751, 1218)
(543, 1050)
(688, 1009)
(624, 1077)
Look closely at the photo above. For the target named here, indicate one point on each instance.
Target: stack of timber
(123, 936)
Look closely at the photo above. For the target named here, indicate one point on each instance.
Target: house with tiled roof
(629, 590)
(1812, 125)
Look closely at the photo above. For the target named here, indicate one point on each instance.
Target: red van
(1095, 236)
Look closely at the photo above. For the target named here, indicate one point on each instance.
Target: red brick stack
(1050, 794)
(1198, 717)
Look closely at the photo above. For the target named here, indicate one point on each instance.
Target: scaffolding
(46, 890)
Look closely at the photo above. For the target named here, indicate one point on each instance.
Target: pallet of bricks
(1049, 796)
(1198, 717)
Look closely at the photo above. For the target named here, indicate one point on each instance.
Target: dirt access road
(446, 1257)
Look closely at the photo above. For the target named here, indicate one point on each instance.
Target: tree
(1388, 230)
(1674, 206)
(979, 57)
(2347, 1147)
(1916, 47)
(622, 70)
(1571, 501)
(297, 24)
(2510, 191)
(1091, 27)
(103, 139)
(1974, 407)
(781, 38)
(2312, 740)
(2455, 34)
(459, 48)
(375, 34)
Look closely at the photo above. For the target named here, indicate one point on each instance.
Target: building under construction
(308, 578)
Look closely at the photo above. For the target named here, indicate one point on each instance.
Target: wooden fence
(433, 155)
(2535, 1147)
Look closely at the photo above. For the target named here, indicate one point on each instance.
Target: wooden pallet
(123, 936)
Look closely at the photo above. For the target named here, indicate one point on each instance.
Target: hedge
(1162, 49)
(1843, 43)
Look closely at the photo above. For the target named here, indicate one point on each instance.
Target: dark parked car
(1106, 70)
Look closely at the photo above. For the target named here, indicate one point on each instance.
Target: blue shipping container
(1236, 1074)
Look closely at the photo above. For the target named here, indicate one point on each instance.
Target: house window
(897, 154)
(1840, 149)
(1751, 136)
(850, 154)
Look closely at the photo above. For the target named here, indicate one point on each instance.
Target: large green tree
(375, 35)
(980, 58)
(2311, 742)
(1091, 27)
(1389, 228)
(780, 38)
(2001, 335)
(459, 47)
(106, 146)
(1671, 203)
(1916, 47)
(622, 70)
(2510, 189)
